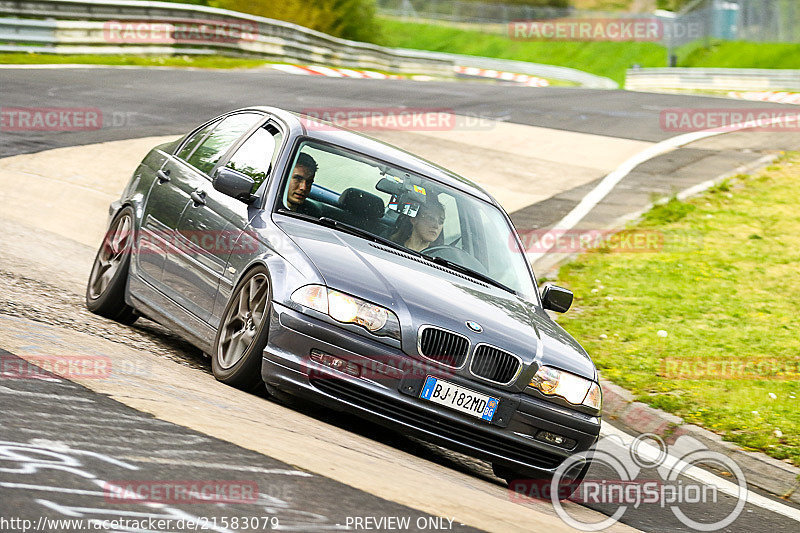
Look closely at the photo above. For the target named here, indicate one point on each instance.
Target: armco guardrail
(79, 28)
(723, 79)
(27, 31)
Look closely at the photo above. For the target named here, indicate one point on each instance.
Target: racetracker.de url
(150, 523)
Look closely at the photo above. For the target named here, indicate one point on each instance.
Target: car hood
(421, 293)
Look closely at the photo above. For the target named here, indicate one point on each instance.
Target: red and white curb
(332, 72)
(768, 96)
(524, 79)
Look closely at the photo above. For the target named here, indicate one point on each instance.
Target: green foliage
(729, 293)
(671, 5)
(349, 19)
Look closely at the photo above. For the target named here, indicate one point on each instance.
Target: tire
(242, 332)
(105, 291)
(572, 483)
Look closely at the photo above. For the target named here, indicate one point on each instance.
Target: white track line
(607, 184)
(651, 453)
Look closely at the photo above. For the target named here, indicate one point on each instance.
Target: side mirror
(235, 184)
(556, 298)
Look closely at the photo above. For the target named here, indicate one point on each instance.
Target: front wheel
(105, 292)
(567, 486)
(242, 333)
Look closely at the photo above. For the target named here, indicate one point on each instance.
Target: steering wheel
(456, 255)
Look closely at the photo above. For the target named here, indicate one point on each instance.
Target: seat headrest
(361, 203)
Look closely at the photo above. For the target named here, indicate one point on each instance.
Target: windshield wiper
(355, 230)
(342, 226)
(468, 271)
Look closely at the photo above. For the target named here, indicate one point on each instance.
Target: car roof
(380, 150)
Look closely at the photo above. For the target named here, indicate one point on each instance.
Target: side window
(256, 156)
(194, 139)
(221, 139)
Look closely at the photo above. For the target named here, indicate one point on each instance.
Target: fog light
(556, 440)
(336, 363)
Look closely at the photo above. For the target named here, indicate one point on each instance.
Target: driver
(300, 185)
(421, 231)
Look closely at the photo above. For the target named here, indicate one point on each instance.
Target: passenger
(300, 185)
(423, 230)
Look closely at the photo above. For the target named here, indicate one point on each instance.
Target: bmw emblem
(474, 326)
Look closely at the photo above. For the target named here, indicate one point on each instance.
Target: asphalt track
(147, 102)
(151, 102)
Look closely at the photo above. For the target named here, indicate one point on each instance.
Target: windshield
(412, 211)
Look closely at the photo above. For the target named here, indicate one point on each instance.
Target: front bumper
(388, 394)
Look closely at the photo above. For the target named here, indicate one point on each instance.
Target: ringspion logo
(624, 487)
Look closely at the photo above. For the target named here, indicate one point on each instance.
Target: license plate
(459, 398)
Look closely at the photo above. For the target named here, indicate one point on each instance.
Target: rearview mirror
(556, 298)
(235, 184)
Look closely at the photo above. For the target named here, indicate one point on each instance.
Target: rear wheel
(242, 333)
(105, 292)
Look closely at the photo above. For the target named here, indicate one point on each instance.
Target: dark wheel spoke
(242, 321)
(105, 291)
(111, 257)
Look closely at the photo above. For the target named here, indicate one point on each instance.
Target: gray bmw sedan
(327, 265)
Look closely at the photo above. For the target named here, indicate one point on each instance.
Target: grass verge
(729, 294)
(139, 61)
(602, 58)
(607, 59)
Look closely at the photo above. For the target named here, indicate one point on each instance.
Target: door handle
(198, 197)
(162, 175)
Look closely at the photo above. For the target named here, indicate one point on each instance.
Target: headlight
(349, 309)
(576, 390)
(594, 398)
